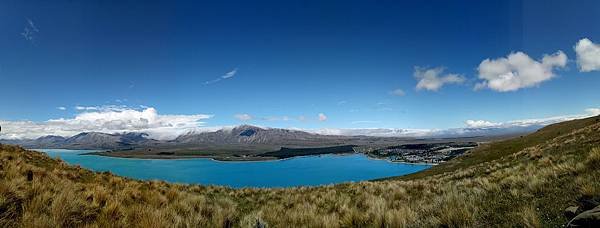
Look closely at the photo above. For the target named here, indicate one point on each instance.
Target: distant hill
(86, 140)
(248, 134)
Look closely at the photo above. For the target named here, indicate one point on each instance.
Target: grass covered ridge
(526, 181)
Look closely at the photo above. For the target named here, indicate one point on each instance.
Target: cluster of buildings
(432, 153)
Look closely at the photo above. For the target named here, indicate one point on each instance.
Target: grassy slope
(523, 181)
(496, 150)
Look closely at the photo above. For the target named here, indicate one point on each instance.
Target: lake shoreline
(211, 157)
(239, 159)
(282, 153)
(175, 157)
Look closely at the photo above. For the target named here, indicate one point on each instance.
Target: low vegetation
(526, 181)
(285, 152)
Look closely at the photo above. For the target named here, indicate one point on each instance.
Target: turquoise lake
(298, 171)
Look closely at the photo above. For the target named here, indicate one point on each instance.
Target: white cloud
(230, 74)
(593, 111)
(246, 117)
(86, 108)
(276, 118)
(365, 122)
(322, 117)
(480, 123)
(61, 108)
(105, 108)
(227, 75)
(518, 71)
(107, 120)
(398, 92)
(588, 55)
(30, 31)
(243, 117)
(433, 78)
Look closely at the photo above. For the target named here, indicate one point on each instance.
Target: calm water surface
(298, 171)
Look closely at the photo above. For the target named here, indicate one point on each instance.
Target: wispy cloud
(365, 122)
(276, 118)
(61, 108)
(227, 75)
(397, 92)
(105, 108)
(322, 117)
(85, 108)
(382, 106)
(30, 31)
(243, 117)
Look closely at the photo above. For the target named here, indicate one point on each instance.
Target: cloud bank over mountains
(531, 122)
(119, 119)
(472, 128)
(109, 119)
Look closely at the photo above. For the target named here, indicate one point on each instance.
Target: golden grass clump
(593, 159)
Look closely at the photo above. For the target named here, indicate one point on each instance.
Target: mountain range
(243, 136)
(86, 140)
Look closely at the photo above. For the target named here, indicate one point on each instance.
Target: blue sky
(282, 63)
